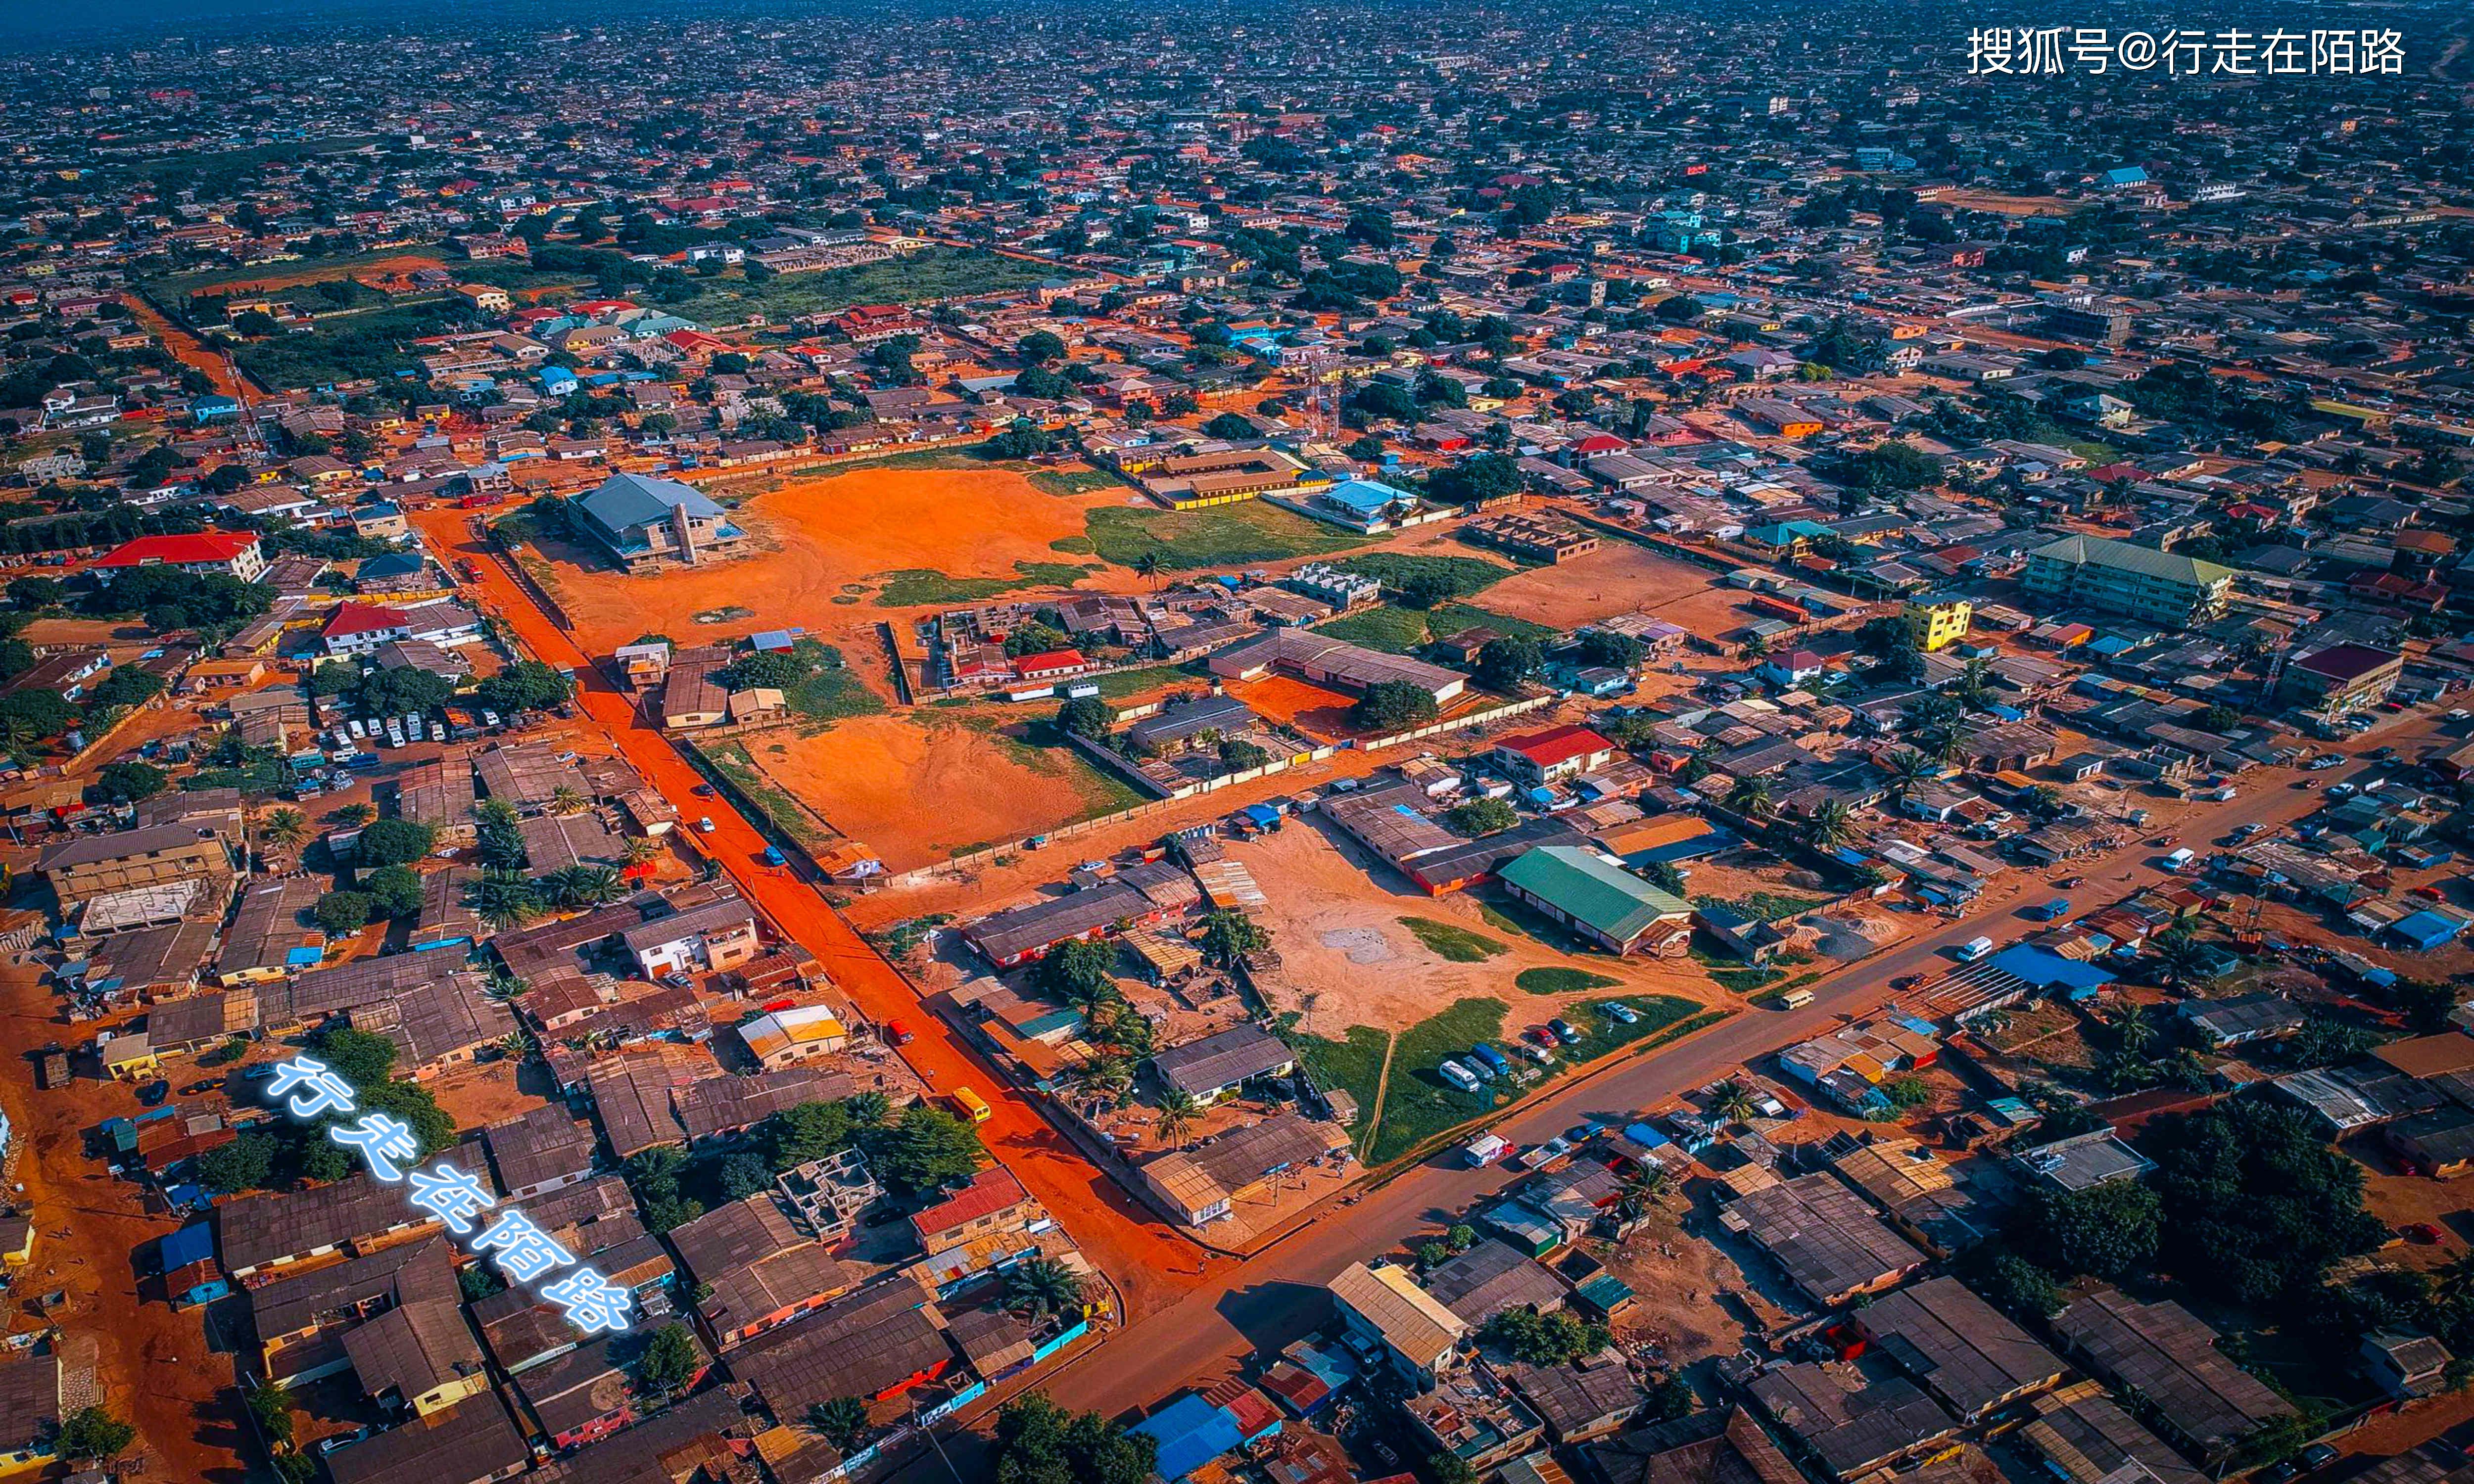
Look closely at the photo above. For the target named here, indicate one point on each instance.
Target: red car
(897, 1033)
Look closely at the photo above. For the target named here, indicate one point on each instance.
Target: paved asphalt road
(1276, 1296)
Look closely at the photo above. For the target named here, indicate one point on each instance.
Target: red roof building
(994, 1200)
(357, 628)
(1538, 758)
(1053, 663)
(236, 553)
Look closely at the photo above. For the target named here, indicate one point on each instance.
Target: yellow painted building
(1938, 623)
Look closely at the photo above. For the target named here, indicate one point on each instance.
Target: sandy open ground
(915, 789)
(834, 537)
(1343, 945)
(1318, 709)
(1617, 578)
(319, 273)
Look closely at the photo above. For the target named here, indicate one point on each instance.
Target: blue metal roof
(1191, 1432)
(188, 1245)
(2045, 968)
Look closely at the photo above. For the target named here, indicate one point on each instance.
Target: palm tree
(867, 1110)
(505, 898)
(843, 1421)
(517, 1045)
(1750, 796)
(352, 815)
(1043, 1287)
(2180, 953)
(284, 829)
(1104, 1079)
(1907, 767)
(505, 987)
(583, 886)
(496, 811)
(1178, 1113)
(2453, 1281)
(639, 849)
(1829, 825)
(1730, 1101)
(567, 799)
(1148, 568)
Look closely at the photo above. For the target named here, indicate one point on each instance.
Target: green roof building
(2122, 577)
(1600, 901)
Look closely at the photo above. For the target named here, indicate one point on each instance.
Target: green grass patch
(1464, 575)
(904, 937)
(1512, 917)
(345, 347)
(1452, 942)
(917, 278)
(1122, 683)
(1733, 977)
(1602, 1033)
(921, 587)
(735, 765)
(832, 691)
(1394, 631)
(1354, 1065)
(1075, 480)
(1073, 545)
(1561, 981)
(1220, 536)
(1453, 617)
(1417, 1103)
(1764, 907)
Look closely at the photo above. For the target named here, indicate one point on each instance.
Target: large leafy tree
(925, 1148)
(2256, 1204)
(1038, 1442)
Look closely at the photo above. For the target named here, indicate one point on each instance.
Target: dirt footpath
(154, 1365)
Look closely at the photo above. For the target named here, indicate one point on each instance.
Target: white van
(1974, 948)
(1457, 1075)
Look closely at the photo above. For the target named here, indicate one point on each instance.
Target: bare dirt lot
(1617, 578)
(917, 788)
(152, 1364)
(831, 543)
(1323, 713)
(1348, 958)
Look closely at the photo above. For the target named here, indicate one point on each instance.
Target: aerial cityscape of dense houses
(1074, 744)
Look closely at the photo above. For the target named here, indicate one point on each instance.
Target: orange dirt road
(186, 348)
(1151, 1262)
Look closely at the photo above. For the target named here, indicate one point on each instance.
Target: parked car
(1622, 1012)
(1563, 1031)
(2318, 1455)
(898, 1032)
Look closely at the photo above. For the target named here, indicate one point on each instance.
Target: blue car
(1491, 1059)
